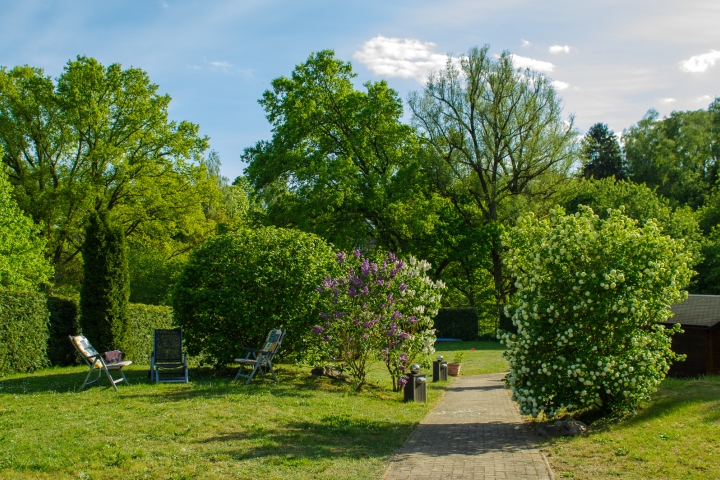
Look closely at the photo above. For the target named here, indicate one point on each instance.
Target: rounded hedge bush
(236, 287)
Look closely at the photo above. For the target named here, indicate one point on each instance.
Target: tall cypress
(105, 289)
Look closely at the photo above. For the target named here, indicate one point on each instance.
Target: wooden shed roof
(700, 311)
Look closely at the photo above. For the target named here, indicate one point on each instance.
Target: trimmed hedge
(459, 323)
(143, 320)
(63, 322)
(24, 319)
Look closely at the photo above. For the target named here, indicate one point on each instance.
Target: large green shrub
(105, 288)
(591, 294)
(63, 323)
(23, 265)
(144, 319)
(238, 286)
(23, 331)
(459, 323)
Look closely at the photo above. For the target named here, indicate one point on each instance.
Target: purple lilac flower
(383, 306)
(403, 287)
(351, 291)
(381, 282)
(393, 272)
(365, 267)
(357, 281)
(374, 267)
(392, 258)
(385, 352)
(402, 381)
(404, 335)
(401, 368)
(341, 257)
(338, 314)
(365, 291)
(363, 336)
(356, 321)
(396, 314)
(319, 289)
(403, 357)
(412, 319)
(323, 315)
(390, 299)
(317, 329)
(357, 253)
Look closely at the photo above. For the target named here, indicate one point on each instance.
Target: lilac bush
(381, 309)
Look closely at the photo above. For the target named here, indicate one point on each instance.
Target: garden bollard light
(416, 387)
(439, 369)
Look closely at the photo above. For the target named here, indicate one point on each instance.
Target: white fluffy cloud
(700, 63)
(560, 85)
(525, 43)
(703, 99)
(525, 62)
(222, 64)
(667, 100)
(400, 57)
(555, 49)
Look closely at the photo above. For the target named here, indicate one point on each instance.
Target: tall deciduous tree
(23, 265)
(340, 163)
(601, 154)
(99, 138)
(105, 288)
(677, 155)
(500, 141)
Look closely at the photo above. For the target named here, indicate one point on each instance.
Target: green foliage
(340, 153)
(601, 154)
(63, 322)
(143, 320)
(23, 332)
(22, 262)
(496, 146)
(99, 138)
(153, 275)
(638, 202)
(460, 323)
(238, 286)
(106, 288)
(677, 155)
(591, 295)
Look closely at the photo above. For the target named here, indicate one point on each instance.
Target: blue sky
(612, 60)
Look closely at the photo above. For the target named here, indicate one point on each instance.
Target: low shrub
(63, 322)
(24, 319)
(238, 286)
(460, 323)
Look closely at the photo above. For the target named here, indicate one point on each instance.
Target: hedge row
(23, 331)
(459, 323)
(144, 319)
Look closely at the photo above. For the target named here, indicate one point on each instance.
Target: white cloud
(247, 74)
(559, 85)
(222, 64)
(700, 63)
(525, 43)
(400, 57)
(703, 99)
(667, 100)
(555, 49)
(525, 62)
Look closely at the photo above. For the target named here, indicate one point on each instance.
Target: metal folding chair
(260, 360)
(96, 361)
(168, 355)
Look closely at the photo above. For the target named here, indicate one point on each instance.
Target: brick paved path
(474, 432)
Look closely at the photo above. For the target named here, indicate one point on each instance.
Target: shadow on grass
(204, 382)
(341, 436)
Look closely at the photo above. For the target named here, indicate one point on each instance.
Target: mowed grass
(675, 436)
(211, 428)
(486, 358)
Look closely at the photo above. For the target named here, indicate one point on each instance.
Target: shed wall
(694, 344)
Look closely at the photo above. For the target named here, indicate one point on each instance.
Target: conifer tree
(602, 155)
(106, 287)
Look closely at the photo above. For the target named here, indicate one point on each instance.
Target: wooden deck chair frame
(260, 360)
(168, 354)
(96, 361)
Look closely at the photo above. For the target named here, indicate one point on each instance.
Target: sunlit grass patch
(676, 435)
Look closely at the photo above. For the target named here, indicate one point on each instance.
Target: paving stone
(475, 432)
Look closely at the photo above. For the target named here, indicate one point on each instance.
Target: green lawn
(487, 357)
(301, 428)
(675, 436)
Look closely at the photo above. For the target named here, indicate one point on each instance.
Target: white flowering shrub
(590, 296)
